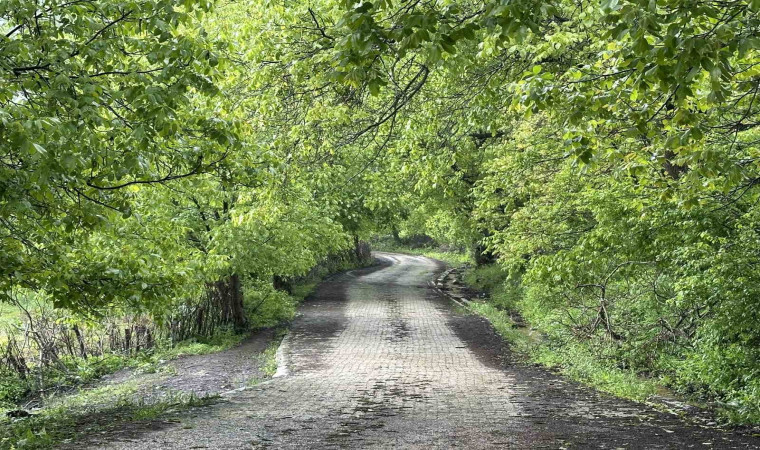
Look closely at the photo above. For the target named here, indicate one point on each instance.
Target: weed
(94, 410)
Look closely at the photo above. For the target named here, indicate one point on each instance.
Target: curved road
(378, 359)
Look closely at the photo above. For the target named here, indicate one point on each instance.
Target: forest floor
(378, 358)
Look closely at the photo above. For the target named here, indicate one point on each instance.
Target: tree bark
(80, 338)
(237, 311)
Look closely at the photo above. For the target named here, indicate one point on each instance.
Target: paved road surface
(377, 359)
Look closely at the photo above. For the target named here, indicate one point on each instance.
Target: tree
(98, 99)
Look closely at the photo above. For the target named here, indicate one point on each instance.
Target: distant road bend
(378, 359)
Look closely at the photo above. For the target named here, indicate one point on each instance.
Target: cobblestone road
(378, 359)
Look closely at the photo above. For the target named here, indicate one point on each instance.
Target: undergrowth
(576, 360)
(90, 411)
(573, 360)
(72, 409)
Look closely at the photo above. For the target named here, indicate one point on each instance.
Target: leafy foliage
(605, 154)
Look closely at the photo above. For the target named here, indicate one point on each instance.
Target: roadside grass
(268, 359)
(573, 361)
(451, 258)
(86, 411)
(90, 411)
(106, 408)
(580, 364)
(221, 341)
(269, 355)
(76, 409)
(72, 373)
(302, 290)
(62, 378)
(522, 342)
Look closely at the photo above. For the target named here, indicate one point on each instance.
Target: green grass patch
(491, 279)
(268, 358)
(485, 278)
(451, 258)
(90, 411)
(153, 360)
(574, 360)
(522, 340)
(202, 346)
(67, 374)
(9, 314)
(73, 372)
(579, 363)
(269, 355)
(105, 408)
(302, 290)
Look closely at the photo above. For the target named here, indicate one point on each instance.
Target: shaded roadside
(554, 404)
(206, 375)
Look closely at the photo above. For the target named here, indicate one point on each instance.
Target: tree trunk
(226, 303)
(128, 339)
(237, 313)
(80, 339)
(357, 248)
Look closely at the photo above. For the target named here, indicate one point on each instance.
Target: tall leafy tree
(98, 99)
